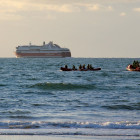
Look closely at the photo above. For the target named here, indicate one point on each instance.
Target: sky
(89, 28)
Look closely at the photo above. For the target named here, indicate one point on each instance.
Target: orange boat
(130, 68)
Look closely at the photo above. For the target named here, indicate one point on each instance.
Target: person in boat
(73, 67)
(80, 67)
(135, 64)
(84, 66)
(66, 67)
(88, 66)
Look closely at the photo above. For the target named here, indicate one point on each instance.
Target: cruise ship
(49, 50)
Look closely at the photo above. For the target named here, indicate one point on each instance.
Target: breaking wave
(76, 125)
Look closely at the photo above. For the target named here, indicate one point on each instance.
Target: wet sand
(37, 137)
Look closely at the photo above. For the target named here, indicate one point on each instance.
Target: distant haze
(89, 28)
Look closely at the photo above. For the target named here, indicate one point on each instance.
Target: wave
(135, 106)
(32, 79)
(19, 112)
(2, 85)
(63, 86)
(76, 125)
(71, 132)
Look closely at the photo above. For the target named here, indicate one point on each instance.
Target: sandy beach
(34, 137)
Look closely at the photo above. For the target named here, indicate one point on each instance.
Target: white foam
(56, 125)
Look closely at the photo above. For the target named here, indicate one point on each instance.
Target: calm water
(37, 98)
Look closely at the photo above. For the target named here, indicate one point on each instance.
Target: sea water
(37, 98)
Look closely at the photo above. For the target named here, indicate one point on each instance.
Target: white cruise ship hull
(43, 55)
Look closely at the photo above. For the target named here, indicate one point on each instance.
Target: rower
(66, 67)
(84, 66)
(80, 67)
(73, 67)
(88, 66)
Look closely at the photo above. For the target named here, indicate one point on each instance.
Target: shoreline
(66, 137)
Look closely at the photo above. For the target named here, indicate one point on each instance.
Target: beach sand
(36, 137)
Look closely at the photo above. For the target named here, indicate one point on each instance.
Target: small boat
(67, 69)
(130, 68)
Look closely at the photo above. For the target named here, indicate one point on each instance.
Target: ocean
(37, 98)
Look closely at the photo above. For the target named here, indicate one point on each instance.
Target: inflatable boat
(68, 69)
(130, 68)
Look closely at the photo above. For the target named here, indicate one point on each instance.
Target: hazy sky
(89, 28)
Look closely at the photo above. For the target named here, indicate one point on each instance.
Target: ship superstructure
(49, 50)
